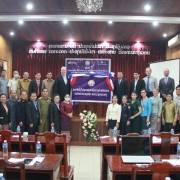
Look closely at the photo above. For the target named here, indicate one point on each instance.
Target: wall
(6, 54)
(173, 53)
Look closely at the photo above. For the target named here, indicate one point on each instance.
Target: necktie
(165, 80)
(147, 85)
(119, 81)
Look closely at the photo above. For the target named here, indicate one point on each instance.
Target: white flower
(85, 124)
(83, 127)
(81, 118)
(84, 111)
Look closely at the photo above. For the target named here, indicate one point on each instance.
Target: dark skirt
(65, 124)
(111, 124)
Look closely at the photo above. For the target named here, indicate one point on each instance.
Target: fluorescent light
(147, 7)
(164, 35)
(137, 41)
(11, 33)
(38, 40)
(110, 22)
(65, 21)
(21, 22)
(29, 6)
(155, 23)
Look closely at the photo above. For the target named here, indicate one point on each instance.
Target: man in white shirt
(150, 82)
(13, 83)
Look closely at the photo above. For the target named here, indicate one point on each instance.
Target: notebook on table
(136, 150)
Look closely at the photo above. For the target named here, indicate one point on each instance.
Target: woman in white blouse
(113, 115)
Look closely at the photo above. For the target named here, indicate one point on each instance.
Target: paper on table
(156, 139)
(36, 160)
(174, 162)
(15, 160)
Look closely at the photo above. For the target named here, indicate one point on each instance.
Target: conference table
(48, 169)
(110, 145)
(116, 167)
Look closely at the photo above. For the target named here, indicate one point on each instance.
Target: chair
(7, 134)
(165, 141)
(4, 164)
(67, 171)
(160, 170)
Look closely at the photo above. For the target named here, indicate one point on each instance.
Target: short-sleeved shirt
(3, 85)
(13, 83)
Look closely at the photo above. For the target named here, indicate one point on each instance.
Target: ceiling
(47, 24)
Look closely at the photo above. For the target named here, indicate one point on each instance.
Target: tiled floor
(86, 161)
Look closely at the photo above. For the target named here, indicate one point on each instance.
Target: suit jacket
(33, 115)
(21, 111)
(60, 87)
(54, 113)
(139, 86)
(4, 117)
(33, 87)
(166, 88)
(120, 89)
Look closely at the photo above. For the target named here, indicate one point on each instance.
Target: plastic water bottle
(167, 178)
(2, 176)
(38, 149)
(18, 129)
(172, 131)
(115, 132)
(149, 131)
(5, 148)
(52, 130)
(178, 150)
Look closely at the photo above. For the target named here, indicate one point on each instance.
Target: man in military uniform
(43, 104)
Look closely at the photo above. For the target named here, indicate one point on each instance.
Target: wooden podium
(99, 109)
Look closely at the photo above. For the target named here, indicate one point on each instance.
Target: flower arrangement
(89, 126)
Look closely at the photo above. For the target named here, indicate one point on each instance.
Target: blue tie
(119, 81)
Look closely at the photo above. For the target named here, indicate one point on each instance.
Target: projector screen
(172, 65)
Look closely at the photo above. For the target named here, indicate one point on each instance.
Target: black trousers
(177, 127)
(33, 130)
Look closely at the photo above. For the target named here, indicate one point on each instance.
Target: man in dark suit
(33, 116)
(36, 85)
(62, 84)
(166, 85)
(120, 87)
(137, 84)
(55, 114)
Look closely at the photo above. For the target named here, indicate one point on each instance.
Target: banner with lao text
(91, 88)
(87, 66)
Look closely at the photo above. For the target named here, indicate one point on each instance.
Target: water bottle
(38, 149)
(149, 132)
(178, 150)
(52, 130)
(172, 131)
(1, 176)
(115, 132)
(5, 148)
(18, 129)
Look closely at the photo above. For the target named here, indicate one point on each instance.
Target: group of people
(141, 108)
(35, 105)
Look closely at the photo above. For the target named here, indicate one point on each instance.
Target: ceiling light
(164, 35)
(29, 6)
(147, 7)
(21, 22)
(11, 33)
(38, 40)
(88, 6)
(65, 21)
(110, 22)
(137, 41)
(155, 23)
(71, 40)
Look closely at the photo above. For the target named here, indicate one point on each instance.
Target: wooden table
(109, 146)
(49, 167)
(117, 167)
